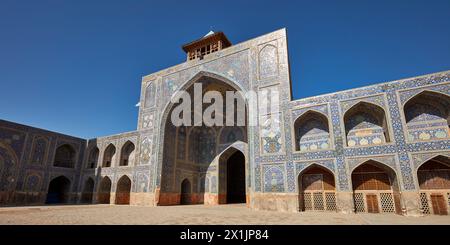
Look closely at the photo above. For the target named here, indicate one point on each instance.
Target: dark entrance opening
(58, 191)
(123, 190)
(185, 192)
(236, 178)
(88, 191)
(104, 194)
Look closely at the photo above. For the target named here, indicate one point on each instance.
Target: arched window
(65, 156)
(365, 124)
(311, 132)
(108, 156)
(127, 154)
(93, 157)
(427, 116)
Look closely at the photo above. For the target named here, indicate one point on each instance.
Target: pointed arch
(104, 192)
(230, 149)
(425, 91)
(232, 176)
(316, 165)
(427, 116)
(59, 190)
(127, 154)
(317, 189)
(197, 77)
(373, 166)
(169, 134)
(366, 124)
(434, 173)
(88, 191)
(312, 131)
(186, 192)
(123, 190)
(93, 157)
(65, 156)
(433, 178)
(108, 155)
(375, 188)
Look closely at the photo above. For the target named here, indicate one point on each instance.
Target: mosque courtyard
(233, 214)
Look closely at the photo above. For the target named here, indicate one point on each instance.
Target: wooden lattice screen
(318, 191)
(373, 191)
(434, 183)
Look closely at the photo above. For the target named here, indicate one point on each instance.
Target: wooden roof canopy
(209, 38)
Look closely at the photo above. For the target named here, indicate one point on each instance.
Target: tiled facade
(390, 123)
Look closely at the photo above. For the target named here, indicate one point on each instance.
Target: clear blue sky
(75, 66)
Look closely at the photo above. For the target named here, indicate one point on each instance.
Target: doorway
(58, 190)
(236, 178)
(185, 192)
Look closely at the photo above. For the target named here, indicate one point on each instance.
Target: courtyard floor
(193, 214)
